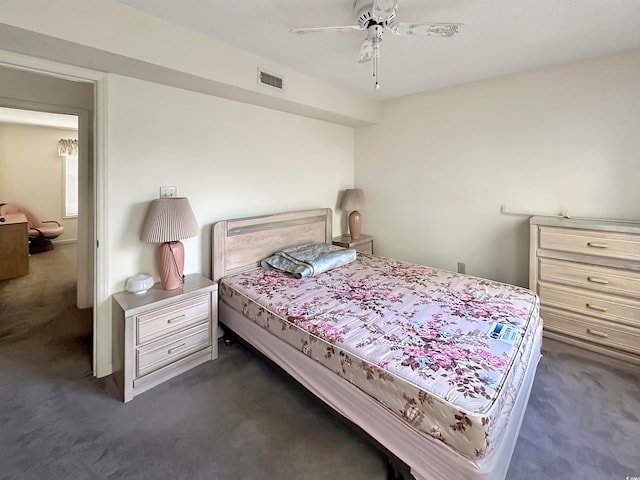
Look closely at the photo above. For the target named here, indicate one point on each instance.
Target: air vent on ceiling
(270, 80)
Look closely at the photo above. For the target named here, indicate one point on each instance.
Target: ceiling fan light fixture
(376, 16)
(375, 37)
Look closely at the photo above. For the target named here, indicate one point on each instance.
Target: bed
(437, 367)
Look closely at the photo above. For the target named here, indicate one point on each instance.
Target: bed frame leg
(394, 471)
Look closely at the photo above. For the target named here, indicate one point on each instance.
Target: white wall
(229, 159)
(31, 172)
(439, 165)
(219, 153)
(59, 95)
(113, 27)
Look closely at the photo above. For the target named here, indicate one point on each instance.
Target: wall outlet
(168, 192)
(462, 268)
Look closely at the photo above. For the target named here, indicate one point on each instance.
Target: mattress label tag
(504, 333)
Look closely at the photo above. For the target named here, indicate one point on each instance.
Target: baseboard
(595, 353)
(65, 241)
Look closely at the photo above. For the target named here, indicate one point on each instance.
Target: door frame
(94, 248)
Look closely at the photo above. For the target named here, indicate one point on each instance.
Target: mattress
(447, 353)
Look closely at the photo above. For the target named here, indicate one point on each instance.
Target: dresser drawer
(593, 277)
(597, 331)
(602, 244)
(155, 355)
(157, 323)
(606, 307)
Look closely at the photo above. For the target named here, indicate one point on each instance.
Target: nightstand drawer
(601, 279)
(606, 307)
(596, 331)
(173, 318)
(155, 355)
(600, 244)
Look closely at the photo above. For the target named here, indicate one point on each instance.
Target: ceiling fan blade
(427, 29)
(347, 28)
(366, 51)
(383, 10)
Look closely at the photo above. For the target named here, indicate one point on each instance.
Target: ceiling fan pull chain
(376, 54)
(377, 84)
(375, 64)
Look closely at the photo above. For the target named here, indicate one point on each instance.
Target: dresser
(587, 274)
(162, 333)
(14, 246)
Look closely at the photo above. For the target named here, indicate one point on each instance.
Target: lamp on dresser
(168, 221)
(353, 200)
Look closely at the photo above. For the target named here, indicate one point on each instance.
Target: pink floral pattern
(415, 338)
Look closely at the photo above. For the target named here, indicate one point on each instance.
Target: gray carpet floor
(241, 418)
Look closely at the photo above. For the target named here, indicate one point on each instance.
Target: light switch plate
(168, 192)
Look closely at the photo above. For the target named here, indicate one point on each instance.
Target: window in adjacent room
(71, 186)
(68, 148)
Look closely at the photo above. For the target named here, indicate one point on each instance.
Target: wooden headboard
(241, 243)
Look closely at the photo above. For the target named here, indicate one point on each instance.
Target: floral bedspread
(446, 352)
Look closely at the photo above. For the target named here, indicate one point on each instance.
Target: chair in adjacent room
(41, 232)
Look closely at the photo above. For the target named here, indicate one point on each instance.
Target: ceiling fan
(376, 17)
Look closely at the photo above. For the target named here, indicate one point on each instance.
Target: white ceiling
(29, 117)
(500, 37)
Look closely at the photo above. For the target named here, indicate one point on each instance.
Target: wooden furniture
(14, 246)
(162, 333)
(587, 274)
(254, 238)
(363, 244)
(240, 244)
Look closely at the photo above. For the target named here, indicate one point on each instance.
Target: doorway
(30, 91)
(39, 154)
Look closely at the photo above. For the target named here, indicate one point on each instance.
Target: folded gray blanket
(309, 259)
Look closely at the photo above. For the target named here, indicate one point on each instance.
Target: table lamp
(353, 199)
(168, 221)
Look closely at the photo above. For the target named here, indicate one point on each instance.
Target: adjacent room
(370, 239)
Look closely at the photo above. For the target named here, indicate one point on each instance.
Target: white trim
(48, 67)
(102, 306)
(85, 292)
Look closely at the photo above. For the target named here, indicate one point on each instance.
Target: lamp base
(171, 264)
(355, 223)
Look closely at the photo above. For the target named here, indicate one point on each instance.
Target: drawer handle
(597, 333)
(171, 350)
(175, 319)
(597, 245)
(596, 307)
(601, 281)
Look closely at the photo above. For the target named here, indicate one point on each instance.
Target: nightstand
(363, 244)
(162, 333)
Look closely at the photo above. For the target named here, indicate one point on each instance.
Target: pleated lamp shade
(353, 199)
(168, 221)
